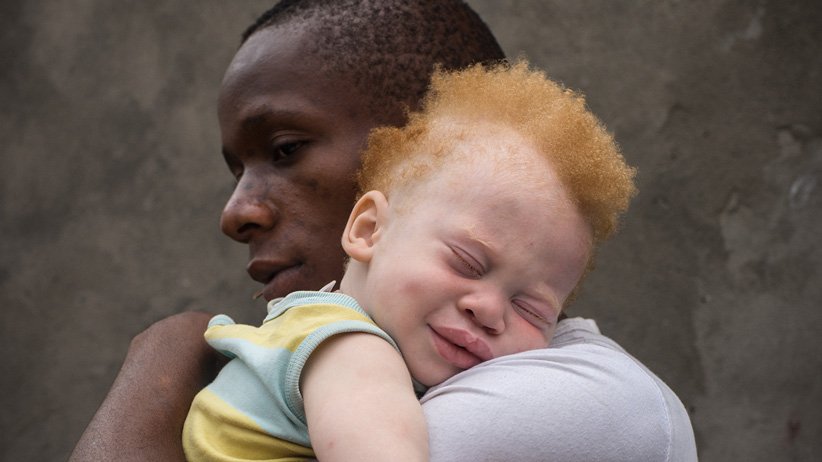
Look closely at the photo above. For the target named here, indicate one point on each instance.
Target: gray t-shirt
(582, 399)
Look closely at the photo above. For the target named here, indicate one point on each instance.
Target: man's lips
(264, 270)
(460, 347)
(278, 278)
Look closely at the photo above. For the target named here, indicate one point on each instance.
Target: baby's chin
(430, 378)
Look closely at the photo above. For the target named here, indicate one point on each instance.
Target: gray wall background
(112, 184)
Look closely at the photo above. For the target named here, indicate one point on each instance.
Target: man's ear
(365, 226)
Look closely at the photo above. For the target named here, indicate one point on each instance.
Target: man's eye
(284, 150)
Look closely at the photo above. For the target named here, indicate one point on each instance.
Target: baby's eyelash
(531, 312)
(476, 271)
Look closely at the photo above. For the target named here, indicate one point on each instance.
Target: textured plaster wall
(112, 183)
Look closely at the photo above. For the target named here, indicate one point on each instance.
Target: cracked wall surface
(112, 184)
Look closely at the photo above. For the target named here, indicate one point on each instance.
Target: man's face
(479, 258)
(292, 138)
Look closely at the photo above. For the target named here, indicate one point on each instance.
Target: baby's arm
(360, 403)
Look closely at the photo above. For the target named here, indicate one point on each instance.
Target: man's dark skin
(145, 383)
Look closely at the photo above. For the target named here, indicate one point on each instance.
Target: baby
(474, 226)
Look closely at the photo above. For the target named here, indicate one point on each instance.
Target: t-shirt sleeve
(586, 403)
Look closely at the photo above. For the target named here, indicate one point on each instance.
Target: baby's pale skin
(467, 264)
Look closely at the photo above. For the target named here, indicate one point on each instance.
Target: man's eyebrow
(263, 115)
(252, 122)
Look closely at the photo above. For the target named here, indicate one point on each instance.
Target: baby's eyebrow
(470, 233)
(549, 296)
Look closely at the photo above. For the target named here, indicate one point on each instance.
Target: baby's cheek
(413, 292)
(527, 337)
(412, 283)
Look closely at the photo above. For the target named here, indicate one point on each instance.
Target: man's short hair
(388, 48)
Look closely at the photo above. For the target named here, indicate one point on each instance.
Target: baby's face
(476, 261)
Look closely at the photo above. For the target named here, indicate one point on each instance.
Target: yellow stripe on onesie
(218, 429)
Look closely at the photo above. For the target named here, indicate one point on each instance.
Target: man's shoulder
(596, 401)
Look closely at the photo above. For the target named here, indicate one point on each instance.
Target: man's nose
(487, 310)
(249, 210)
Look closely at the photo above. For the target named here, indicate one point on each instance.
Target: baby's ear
(365, 226)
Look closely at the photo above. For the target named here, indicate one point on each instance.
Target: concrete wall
(112, 183)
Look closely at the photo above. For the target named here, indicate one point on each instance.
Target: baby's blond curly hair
(584, 155)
